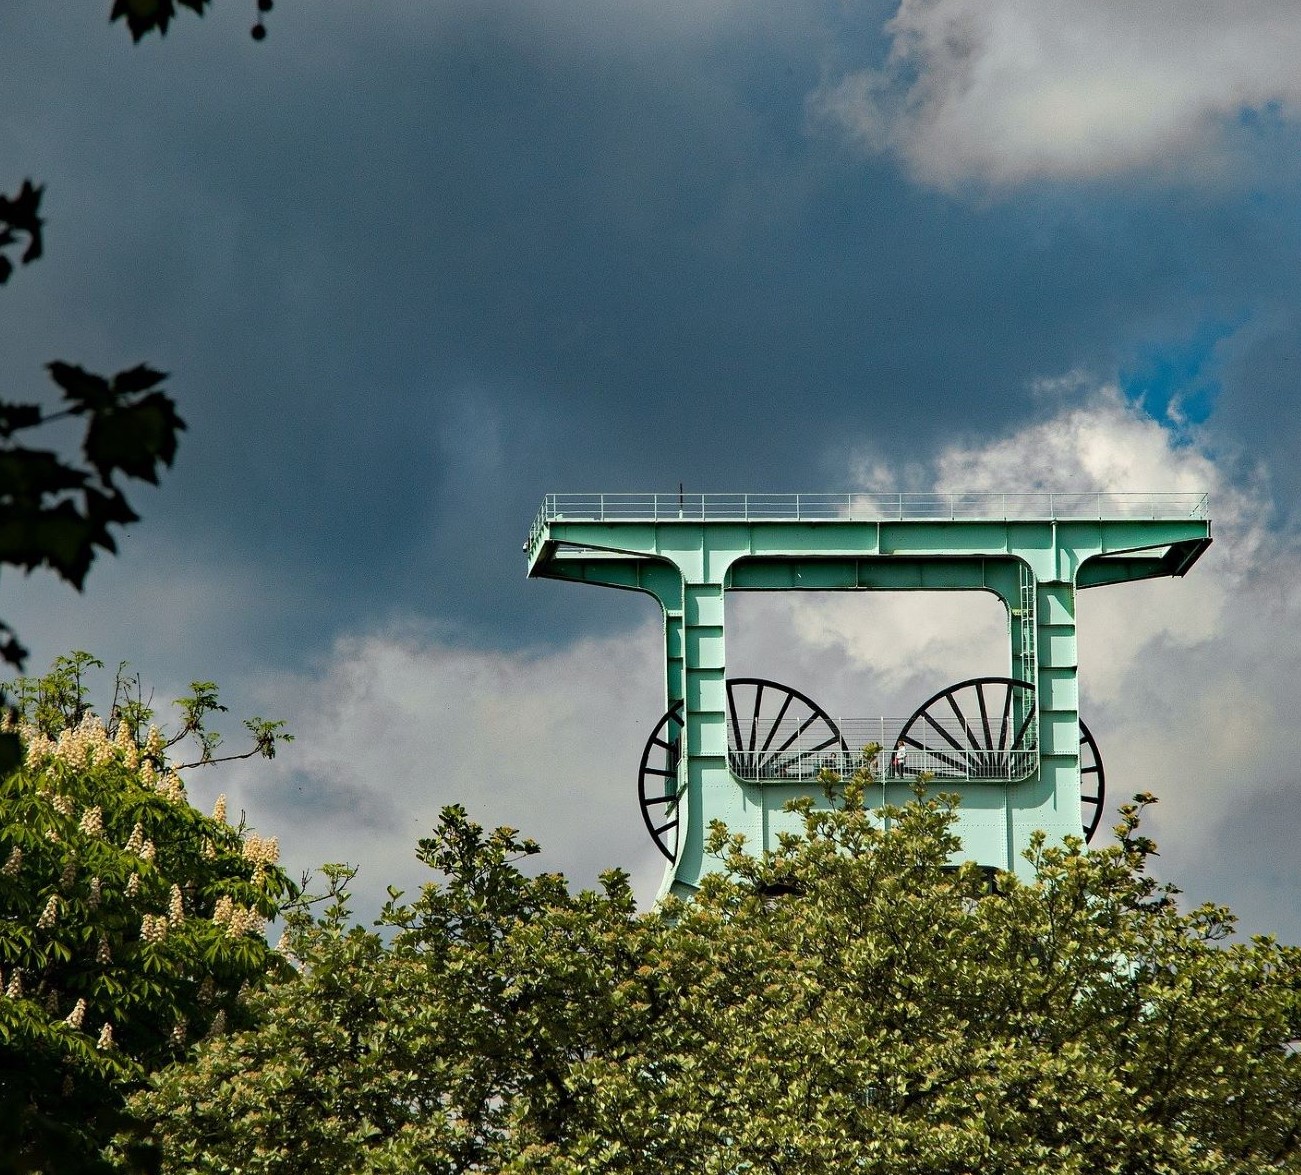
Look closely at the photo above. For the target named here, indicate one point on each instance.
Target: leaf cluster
(146, 16)
(19, 218)
(55, 511)
(58, 514)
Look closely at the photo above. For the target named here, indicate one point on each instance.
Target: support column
(709, 784)
(1052, 801)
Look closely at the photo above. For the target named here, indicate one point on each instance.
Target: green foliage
(130, 923)
(892, 1013)
(58, 512)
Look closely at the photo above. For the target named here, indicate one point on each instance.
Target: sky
(413, 265)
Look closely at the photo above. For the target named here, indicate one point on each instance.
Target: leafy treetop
(891, 1013)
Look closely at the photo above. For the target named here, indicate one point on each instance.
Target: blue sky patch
(1177, 383)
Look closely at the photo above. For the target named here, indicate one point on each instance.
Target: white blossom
(154, 743)
(261, 850)
(92, 821)
(235, 919)
(153, 928)
(49, 915)
(170, 786)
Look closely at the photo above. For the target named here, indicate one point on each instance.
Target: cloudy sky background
(412, 265)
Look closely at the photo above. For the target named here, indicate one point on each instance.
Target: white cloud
(394, 725)
(1004, 91)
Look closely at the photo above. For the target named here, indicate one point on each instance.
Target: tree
(55, 511)
(851, 1002)
(130, 923)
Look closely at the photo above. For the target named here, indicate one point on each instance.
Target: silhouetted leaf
(14, 654)
(133, 440)
(144, 16)
(19, 217)
(18, 416)
(82, 388)
(137, 379)
(29, 475)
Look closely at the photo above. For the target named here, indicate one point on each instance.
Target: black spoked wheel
(777, 733)
(1093, 783)
(657, 782)
(982, 728)
(971, 731)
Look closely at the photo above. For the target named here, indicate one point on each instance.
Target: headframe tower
(736, 749)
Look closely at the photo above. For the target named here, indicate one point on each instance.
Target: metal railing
(860, 507)
(789, 754)
(940, 764)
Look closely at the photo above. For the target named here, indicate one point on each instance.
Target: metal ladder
(1029, 627)
(1028, 618)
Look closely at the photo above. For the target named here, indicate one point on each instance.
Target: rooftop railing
(862, 507)
(873, 507)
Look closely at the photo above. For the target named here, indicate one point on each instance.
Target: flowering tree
(850, 1003)
(130, 923)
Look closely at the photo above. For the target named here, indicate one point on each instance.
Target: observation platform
(736, 749)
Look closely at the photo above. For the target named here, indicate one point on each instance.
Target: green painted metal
(1033, 551)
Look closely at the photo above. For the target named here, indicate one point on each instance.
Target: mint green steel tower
(737, 750)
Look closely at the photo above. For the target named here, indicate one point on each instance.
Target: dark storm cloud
(632, 264)
(414, 265)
